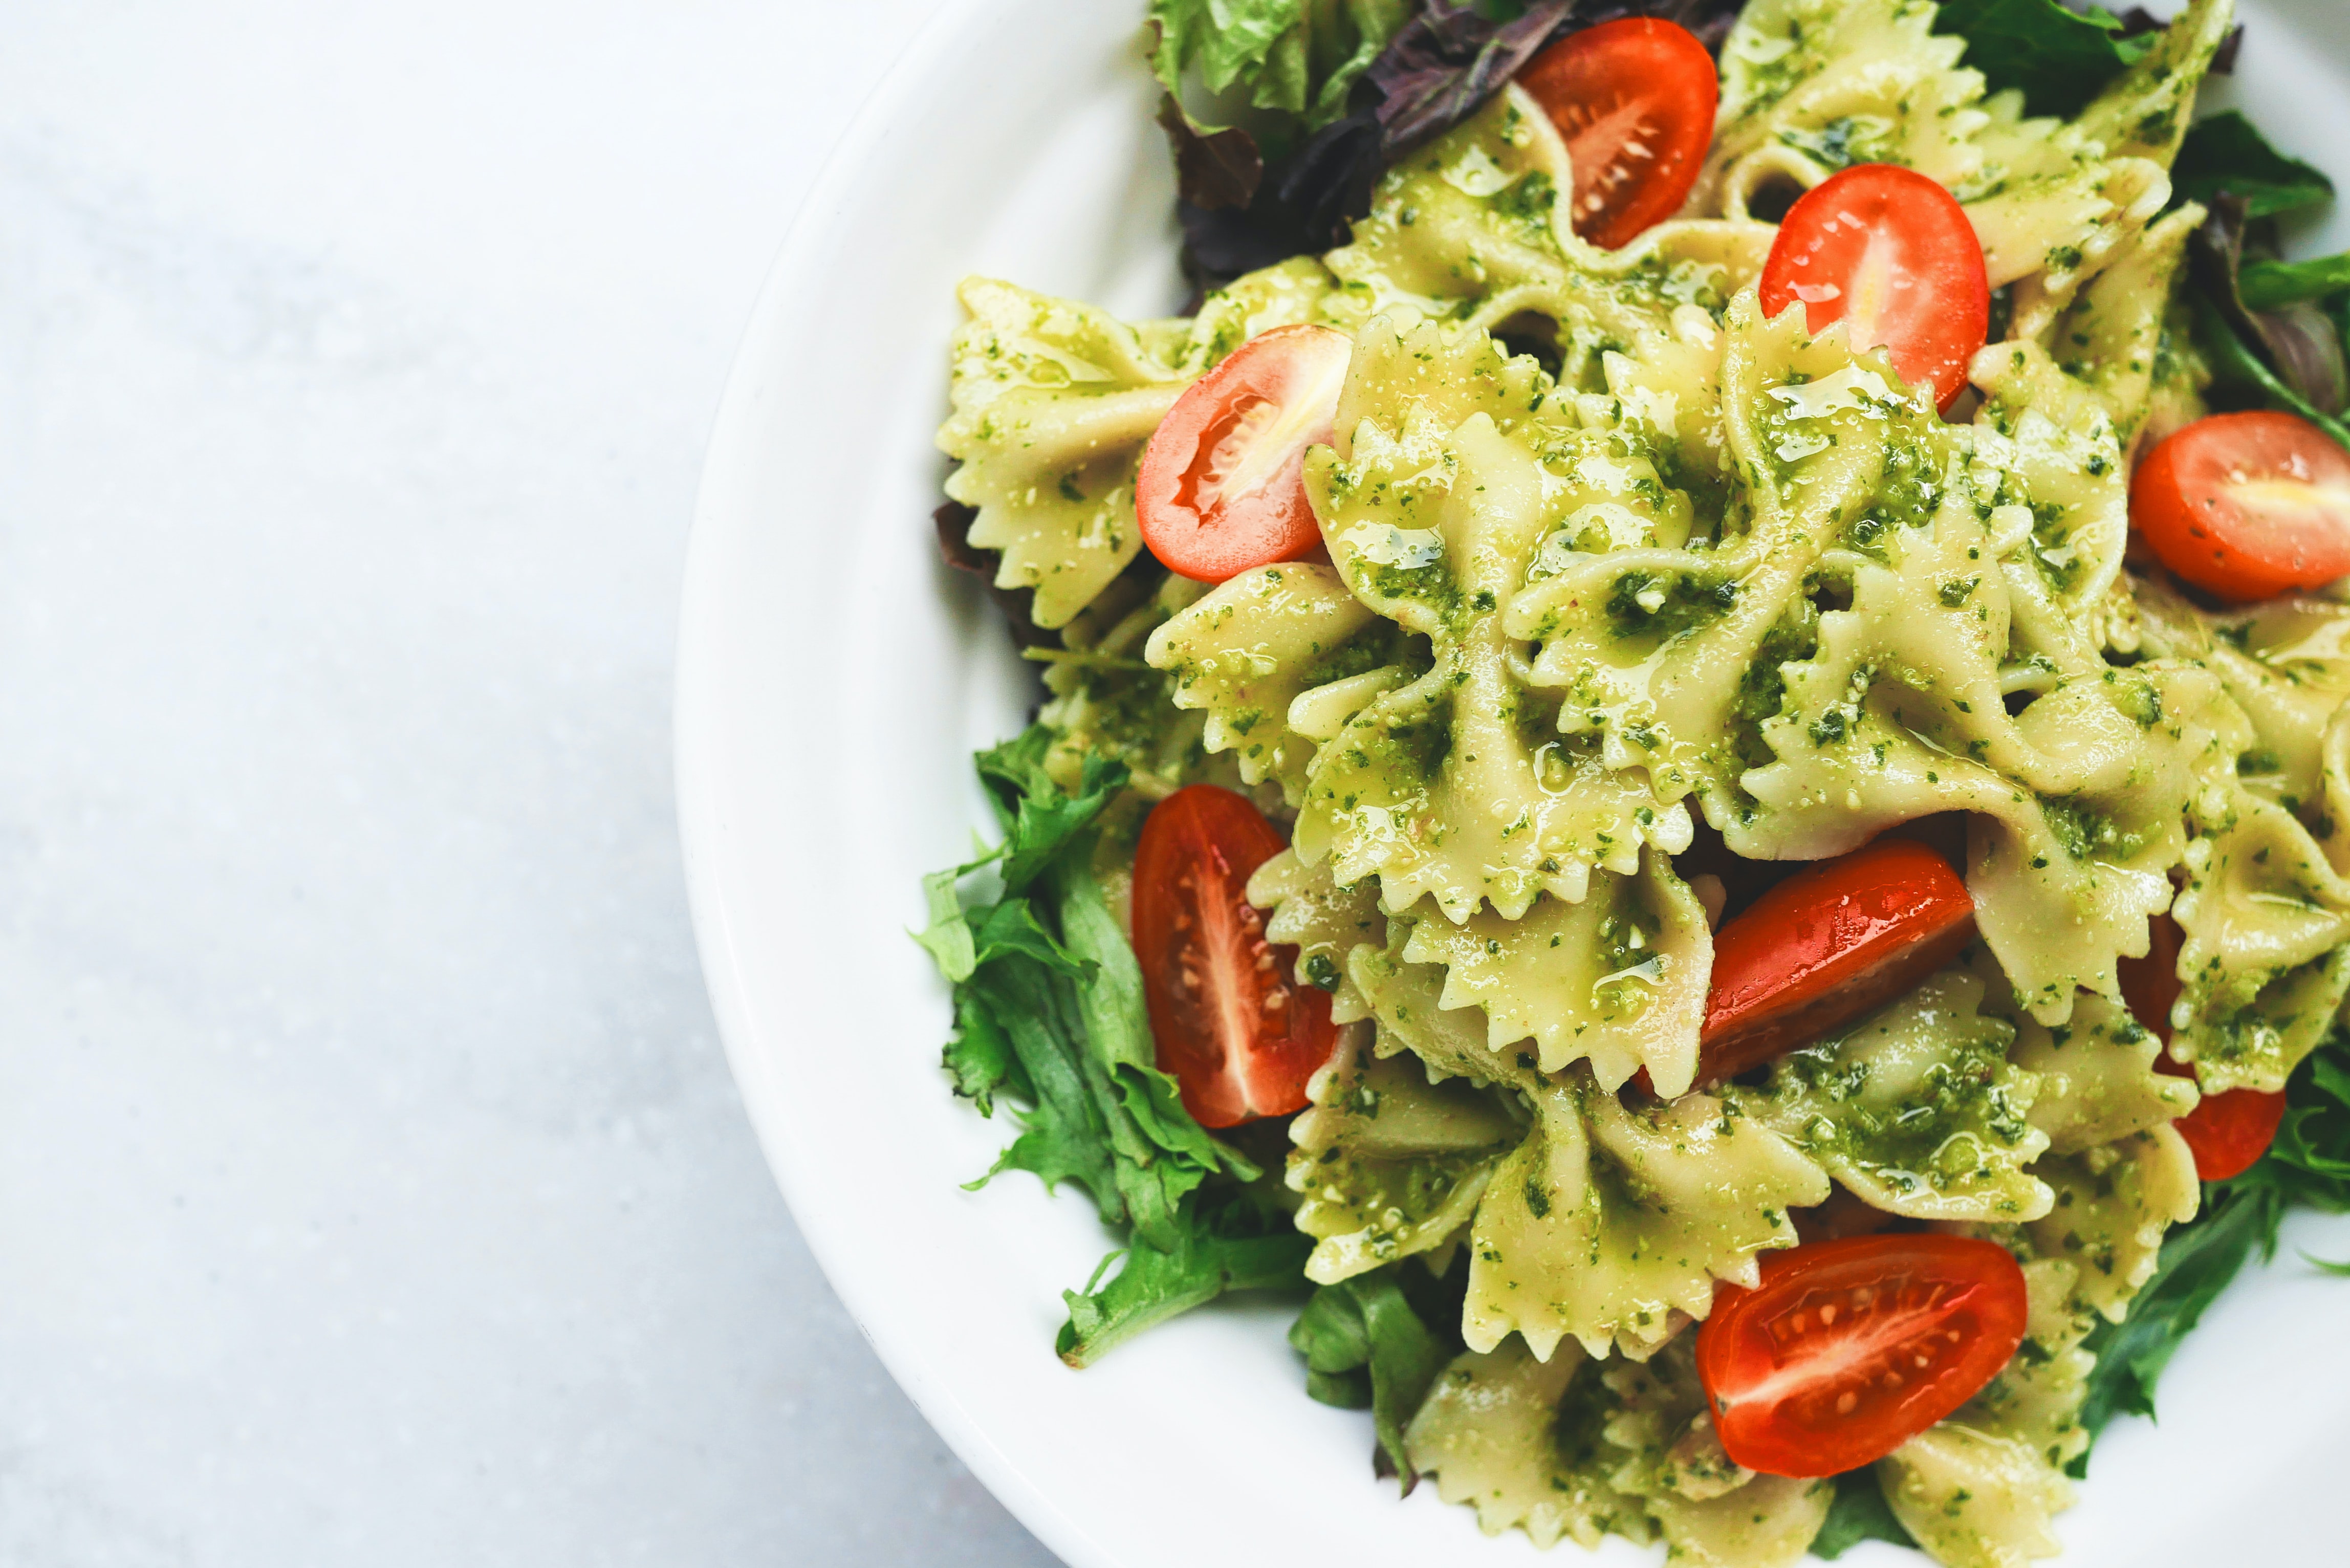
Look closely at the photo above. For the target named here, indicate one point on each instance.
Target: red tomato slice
(2226, 1133)
(1848, 1349)
(2247, 505)
(2229, 1132)
(1634, 99)
(1222, 486)
(1892, 254)
(1834, 942)
(1238, 1035)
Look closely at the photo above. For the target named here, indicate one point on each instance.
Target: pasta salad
(1693, 763)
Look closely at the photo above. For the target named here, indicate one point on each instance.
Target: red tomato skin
(1835, 941)
(1636, 82)
(2226, 1132)
(2229, 1132)
(1297, 370)
(1752, 1349)
(1941, 314)
(2181, 506)
(1235, 1030)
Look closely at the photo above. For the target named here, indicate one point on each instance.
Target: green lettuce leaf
(2224, 152)
(947, 938)
(980, 1057)
(1298, 59)
(1039, 819)
(2197, 1261)
(1858, 1513)
(1367, 1346)
(2273, 285)
(2308, 1166)
(2061, 58)
(2236, 368)
(1049, 1011)
(1224, 1239)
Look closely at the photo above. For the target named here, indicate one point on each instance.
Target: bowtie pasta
(1611, 560)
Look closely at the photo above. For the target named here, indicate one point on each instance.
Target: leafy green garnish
(1224, 1239)
(2199, 1259)
(2308, 1166)
(2272, 285)
(1858, 1513)
(2059, 57)
(2224, 152)
(1367, 1346)
(1294, 62)
(1049, 1014)
(1296, 57)
(2235, 365)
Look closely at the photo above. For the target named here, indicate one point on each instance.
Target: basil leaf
(2061, 58)
(1229, 1238)
(1365, 1344)
(2223, 152)
(2294, 354)
(1858, 1513)
(2272, 285)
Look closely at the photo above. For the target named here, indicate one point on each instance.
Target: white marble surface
(372, 1191)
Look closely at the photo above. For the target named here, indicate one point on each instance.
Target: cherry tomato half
(1222, 486)
(1848, 1349)
(2226, 1133)
(1892, 254)
(1834, 942)
(1238, 1035)
(2247, 504)
(1634, 99)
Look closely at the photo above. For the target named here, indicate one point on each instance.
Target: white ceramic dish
(833, 678)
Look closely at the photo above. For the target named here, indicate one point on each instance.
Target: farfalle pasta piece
(2266, 905)
(1664, 651)
(1053, 404)
(1813, 87)
(1617, 980)
(1323, 921)
(2265, 918)
(1406, 1003)
(1388, 1164)
(1253, 645)
(1916, 1108)
(1523, 1442)
(1975, 1499)
(2113, 1204)
(1458, 786)
(2144, 111)
(1611, 1227)
(1473, 229)
(1105, 703)
(1710, 1511)
(2098, 1081)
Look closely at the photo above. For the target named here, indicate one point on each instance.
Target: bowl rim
(740, 420)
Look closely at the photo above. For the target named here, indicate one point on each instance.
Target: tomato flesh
(1222, 485)
(2229, 1132)
(1835, 941)
(1634, 99)
(1892, 255)
(1238, 1034)
(2247, 504)
(1847, 1349)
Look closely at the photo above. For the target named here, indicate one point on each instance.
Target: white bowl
(833, 677)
